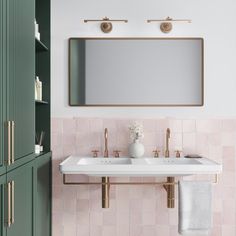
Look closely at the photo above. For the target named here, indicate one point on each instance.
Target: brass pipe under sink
(105, 192)
(170, 189)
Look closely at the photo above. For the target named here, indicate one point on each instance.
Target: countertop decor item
(39, 142)
(38, 89)
(136, 149)
(36, 26)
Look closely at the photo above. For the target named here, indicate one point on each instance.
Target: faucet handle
(116, 153)
(177, 153)
(95, 153)
(156, 152)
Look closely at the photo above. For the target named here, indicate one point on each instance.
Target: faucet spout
(167, 150)
(106, 143)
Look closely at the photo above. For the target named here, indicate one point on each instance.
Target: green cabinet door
(2, 80)
(21, 73)
(21, 201)
(2, 200)
(42, 195)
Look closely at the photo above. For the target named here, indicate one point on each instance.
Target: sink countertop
(126, 166)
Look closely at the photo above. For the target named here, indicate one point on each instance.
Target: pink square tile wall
(138, 210)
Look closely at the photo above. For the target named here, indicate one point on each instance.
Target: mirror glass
(136, 72)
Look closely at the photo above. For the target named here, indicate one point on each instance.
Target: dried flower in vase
(136, 131)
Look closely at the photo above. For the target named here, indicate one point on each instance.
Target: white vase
(136, 149)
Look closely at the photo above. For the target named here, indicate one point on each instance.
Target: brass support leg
(170, 189)
(105, 192)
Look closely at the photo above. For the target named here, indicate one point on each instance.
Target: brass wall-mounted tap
(156, 152)
(95, 153)
(106, 143)
(116, 153)
(178, 153)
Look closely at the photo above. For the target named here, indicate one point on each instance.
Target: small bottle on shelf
(37, 34)
(38, 85)
(35, 89)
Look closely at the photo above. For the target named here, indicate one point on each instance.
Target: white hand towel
(195, 207)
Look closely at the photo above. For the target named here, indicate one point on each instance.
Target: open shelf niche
(42, 66)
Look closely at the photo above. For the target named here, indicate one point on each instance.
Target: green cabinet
(25, 178)
(2, 79)
(16, 201)
(25, 199)
(2, 202)
(42, 199)
(20, 76)
(17, 71)
(20, 182)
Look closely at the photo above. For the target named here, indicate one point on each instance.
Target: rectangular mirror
(136, 72)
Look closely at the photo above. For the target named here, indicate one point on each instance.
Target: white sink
(171, 161)
(104, 161)
(126, 166)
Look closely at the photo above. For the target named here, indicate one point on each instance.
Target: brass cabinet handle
(12, 142)
(9, 142)
(12, 202)
(9, 204)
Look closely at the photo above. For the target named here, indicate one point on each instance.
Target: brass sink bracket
(170, 189)
(105, 184)
(105, 192)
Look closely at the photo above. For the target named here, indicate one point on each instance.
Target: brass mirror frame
(138, 105)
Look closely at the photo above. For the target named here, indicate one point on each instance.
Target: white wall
(212, 20)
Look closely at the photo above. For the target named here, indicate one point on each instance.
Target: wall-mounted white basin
(126, 166)
(171, 161)
(104, 161)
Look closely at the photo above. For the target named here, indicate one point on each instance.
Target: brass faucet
(106, 143)
(169, 188)
(105, 180)
(167, 151)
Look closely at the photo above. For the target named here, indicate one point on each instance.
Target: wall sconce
(106, 25)
(166, 24)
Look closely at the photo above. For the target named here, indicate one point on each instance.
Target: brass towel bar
(216, 180)
(105, 184)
